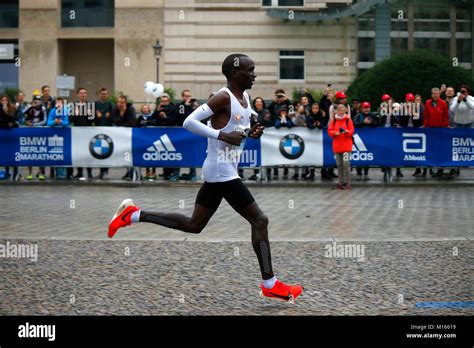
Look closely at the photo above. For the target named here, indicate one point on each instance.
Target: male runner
(230, 113)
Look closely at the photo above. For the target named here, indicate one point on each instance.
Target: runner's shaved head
(232, 62)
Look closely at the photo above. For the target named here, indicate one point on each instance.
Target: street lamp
(157, 48)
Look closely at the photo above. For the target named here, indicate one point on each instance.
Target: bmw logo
(291, 146)
(101, 146)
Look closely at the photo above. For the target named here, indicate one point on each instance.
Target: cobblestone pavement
(198, 278)
(376, 178)
(417, 243)
(295, 213)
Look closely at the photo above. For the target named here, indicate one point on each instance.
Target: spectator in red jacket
(341, 130)
(436, 112)
(436, 115)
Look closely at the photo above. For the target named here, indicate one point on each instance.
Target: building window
(8, 68)
(464, 50)
(431, 15)
(366, 22)
(366, 49)
(87, 13)
(292, 65)
(283, 3)
(463, 17)
(9, 10)
(290, 3)
(436, 46)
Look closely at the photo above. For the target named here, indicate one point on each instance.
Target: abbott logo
(360, 151)
(162, 150)
(417, 139)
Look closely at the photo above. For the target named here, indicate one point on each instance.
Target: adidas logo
(162, 150)
(360, 151)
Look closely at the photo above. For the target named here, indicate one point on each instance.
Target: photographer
(462, 110)
(187, 105)
(281, 101)
(462, 107)
(165, 113)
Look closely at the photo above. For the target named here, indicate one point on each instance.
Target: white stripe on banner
(296, 146)
(167, 142)
(159, 146)
(101, 146)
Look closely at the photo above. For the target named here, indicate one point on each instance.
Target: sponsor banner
(408, 147)
(35, 146)
(461, 151)
(101, 146)
(176, 147)
(167, 147)
(295, 147)
(251, 156)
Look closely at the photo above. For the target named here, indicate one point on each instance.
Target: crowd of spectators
(445, 108)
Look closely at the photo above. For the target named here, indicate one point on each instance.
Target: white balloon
(157, 90)
(148, 87)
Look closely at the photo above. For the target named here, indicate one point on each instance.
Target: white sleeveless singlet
(222, 158)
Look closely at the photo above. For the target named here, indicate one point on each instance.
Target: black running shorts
(234, 191)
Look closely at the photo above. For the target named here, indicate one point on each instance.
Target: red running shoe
(282, 291)
(122, 216)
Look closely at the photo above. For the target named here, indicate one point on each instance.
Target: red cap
(410, 97)
(340, 95)
(386, 97)
(366, 105)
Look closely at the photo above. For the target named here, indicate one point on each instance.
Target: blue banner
(176, 147)
(251, 156)
(408, 147)
(167, 147)
(35, 146)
